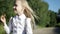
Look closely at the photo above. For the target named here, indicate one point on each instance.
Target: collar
(22, 16)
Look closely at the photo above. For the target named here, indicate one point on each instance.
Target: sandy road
(51, 30)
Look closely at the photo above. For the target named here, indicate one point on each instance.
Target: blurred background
(48, 12)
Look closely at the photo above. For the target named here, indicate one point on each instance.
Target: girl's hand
(3, 19)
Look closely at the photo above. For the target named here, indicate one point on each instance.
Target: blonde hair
(28, 11)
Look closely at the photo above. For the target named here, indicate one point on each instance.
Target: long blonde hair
(28, 11)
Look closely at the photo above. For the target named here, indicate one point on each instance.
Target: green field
(2, 29)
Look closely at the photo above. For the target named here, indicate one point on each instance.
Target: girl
(21, 23)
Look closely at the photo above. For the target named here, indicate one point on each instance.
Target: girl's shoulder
(11, 18)
(28, 19)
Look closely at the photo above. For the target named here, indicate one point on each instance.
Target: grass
(2, 29)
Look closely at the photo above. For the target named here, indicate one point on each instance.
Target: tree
(6, 7)
(58, 18)
(59, 11)
(53, 16)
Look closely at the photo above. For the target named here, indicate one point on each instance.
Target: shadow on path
(56, 30)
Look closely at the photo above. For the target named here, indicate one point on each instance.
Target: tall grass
(2, 29)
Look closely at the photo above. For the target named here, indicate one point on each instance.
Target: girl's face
(18, 8)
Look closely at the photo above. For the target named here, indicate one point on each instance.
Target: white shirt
(19, 25)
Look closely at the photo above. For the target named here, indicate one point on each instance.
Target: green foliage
(6, 7)
(58, 24)
(53, 20)
(2, 29)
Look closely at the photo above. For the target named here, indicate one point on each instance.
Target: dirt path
(47, 31)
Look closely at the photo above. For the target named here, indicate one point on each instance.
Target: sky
(54, 5)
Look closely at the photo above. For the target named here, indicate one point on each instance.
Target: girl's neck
(20, 14)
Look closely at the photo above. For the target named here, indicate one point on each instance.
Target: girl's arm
(9, 27)
(28, 26)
